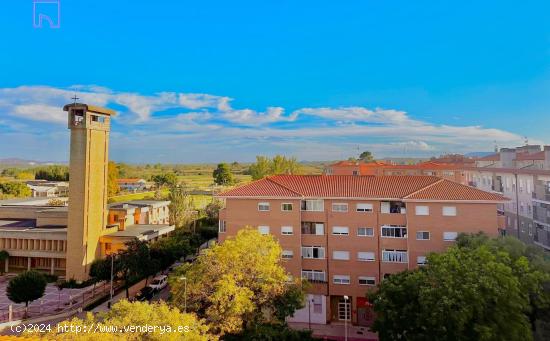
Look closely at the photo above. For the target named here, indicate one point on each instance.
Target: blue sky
(227, 80)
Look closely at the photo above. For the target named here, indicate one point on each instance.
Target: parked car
(158, 283)
(145, 294)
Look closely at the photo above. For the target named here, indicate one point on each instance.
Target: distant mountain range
(478, 154)
(21, 162)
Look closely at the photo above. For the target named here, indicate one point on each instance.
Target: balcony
(542, 191)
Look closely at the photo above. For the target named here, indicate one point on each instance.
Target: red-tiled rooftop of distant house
(129, 180)
(349, 186)
(491, 157)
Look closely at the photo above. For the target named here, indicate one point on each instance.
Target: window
(450, 236)
(449, 211)
(365, 256)
(286, 230)
(221, 226)
(422, 235)
(394, 256)
(313, 252)
(286, 207)
(340, 255)
(314, 275)
(99, 119)
(313, 205)
(313, 228)
(339, 207)
(395, 207)
(355, 172)
(287, 254)
(340, 279)
(394, 231)
(340, 230)
(422, 210)
(365, 232)
(364, 280)
(263, 229)
(364, 207)
(263, 206)
(421, 260)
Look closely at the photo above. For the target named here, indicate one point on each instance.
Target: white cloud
(251, 117)
(178, 121)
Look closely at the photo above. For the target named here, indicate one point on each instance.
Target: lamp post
(184, 279)
(309, 313)
(112, 276)
(346, 298)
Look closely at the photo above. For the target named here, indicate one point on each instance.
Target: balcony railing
(395, 256)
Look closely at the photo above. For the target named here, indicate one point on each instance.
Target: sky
(212, 81)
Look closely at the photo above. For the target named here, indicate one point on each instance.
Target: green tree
(366, 156)
(180, 209)
(53, 173)
(222, 175)
(234, 285)
(166, 179)
(461, 294)
(124, 314)
(15, 189)
(212, 210)
(26, 287)
(278, 165)
(3, 256)
(134, 263)
(112, 177)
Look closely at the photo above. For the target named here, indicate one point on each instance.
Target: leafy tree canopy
(366, 156)
(476, 290)
(124, 314)
(26, 287)
(222, 175)
(15, 189)
(234, 284)
(279, 164)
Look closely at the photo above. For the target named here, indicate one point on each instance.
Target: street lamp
(309, 312)
(346, 298)
(184, 279)
(112, 276)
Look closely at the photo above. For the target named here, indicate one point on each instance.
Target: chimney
(507, 156)
(547, 157)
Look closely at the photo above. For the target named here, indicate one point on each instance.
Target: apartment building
(525, 157)
(346, 233)
(449, 171)
(528, 212)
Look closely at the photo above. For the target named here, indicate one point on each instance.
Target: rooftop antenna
(526, 140)
(75, 98)
(496, 146)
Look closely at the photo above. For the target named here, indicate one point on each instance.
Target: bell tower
(88, 172)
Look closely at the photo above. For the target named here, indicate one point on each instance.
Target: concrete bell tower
(88, 172)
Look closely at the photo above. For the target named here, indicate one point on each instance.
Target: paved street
(52, 301)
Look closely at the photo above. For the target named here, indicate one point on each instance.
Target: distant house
(48, 189)
(132, 185)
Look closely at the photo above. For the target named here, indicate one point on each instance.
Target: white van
(159, 282)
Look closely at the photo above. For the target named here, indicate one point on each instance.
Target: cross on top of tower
(75, 98)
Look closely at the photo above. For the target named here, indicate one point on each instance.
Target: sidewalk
(121, 295)
(337, 332)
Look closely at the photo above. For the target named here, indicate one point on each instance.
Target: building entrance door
(344, 310)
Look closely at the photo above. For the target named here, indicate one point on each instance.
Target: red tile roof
(491, 157)
(453, 191)
(349, 186)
